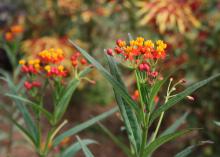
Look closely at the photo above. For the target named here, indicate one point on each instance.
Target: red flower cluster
(48, 64)
(76, 60)
(30, 85)
(140, 54)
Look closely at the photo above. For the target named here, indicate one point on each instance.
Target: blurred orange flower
(168, 14)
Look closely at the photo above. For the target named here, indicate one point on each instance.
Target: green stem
(159, 122)
(144, 135)
(158, 127)
(141, 96)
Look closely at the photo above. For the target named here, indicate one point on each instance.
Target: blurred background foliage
(190, 27)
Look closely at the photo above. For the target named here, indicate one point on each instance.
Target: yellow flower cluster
(161, 46)
(52, 55)
(149, 43)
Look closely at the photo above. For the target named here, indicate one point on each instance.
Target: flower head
(169, 14)
(48, 63)
(140, 54)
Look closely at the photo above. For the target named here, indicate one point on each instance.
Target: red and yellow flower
(140, 54)
(48, 63)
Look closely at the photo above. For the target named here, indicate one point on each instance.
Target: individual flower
(135, 95)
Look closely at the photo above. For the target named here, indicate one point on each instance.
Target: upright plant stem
(159, 122)
(145, 117)
(144, 135)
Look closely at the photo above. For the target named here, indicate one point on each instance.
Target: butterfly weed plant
(144, 57)
(47, 72)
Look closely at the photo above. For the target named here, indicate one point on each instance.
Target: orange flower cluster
(13, 32)
(51, 56)
(169, 14)
(140, 53)
(47, 63)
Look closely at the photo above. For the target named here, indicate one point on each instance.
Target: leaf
(75, 147)
(188, 150)
(66, 97)
(163, 139)
(154, 91)
(175, 125)
(130, 119)
(110, 78)
(85, 149)
(32, 104)
(180, 96)
(83, 126)
(217, 123)
(30, 124)
(26, 134)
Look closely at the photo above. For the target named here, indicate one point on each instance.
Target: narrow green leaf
(75, 147)
(21, 128)
(130, 119)
(163, 139)
(154, 91)
(32, 128)
(175, 125)
(181, 96)
(32, 104)
(188, 150)
(83, 126)
(108, 76)
(64, 100)
(85, 149)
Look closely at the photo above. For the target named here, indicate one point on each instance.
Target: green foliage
(71, 150)
(85, 149)
(136, 119)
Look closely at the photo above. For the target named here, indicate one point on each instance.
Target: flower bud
(110, 52)
(154, 74)
(141, 67)
(27, 85)
(146, 67)
(118, 50)
(83, 61)
(190, 98)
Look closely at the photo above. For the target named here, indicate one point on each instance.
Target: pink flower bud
(118, 50)
(27, 85)
(141, 67)
(146, 67)
(154, 74)
(110, 52)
